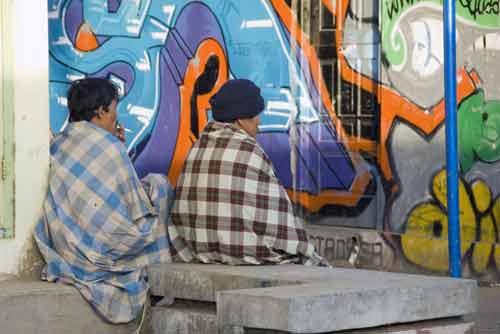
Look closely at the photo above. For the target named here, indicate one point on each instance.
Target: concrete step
(301, 299)
(33, 307)
(449, 326)
(201, 282)
(185, 317)
(320, 307)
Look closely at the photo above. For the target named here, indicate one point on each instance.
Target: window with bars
(356, 108)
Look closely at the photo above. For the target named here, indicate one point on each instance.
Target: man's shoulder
(81, 140)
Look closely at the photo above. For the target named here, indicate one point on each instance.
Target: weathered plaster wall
(31, 110)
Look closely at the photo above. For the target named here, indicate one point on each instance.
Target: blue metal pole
(450, 93)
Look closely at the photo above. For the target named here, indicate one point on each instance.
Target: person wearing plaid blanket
(230, 207)
(101, 225)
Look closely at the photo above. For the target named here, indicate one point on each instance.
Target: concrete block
(34, 307)
(201, 281)
(184, 318)
(200, 318)
(453, 326)
(328, 306)
(300, 299)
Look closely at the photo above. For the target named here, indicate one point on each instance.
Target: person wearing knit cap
(238, 102)
(230, 207)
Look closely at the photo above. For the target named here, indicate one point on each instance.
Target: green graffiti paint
(482, 13)
(479, 130)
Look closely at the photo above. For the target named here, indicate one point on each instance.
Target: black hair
(85, 96)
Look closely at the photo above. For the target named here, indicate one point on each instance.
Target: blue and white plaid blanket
(101, 225)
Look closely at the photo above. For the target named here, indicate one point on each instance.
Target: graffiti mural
(169, 57)
(354, 118)
(412, 154)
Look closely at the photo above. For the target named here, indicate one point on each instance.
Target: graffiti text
(481, 7)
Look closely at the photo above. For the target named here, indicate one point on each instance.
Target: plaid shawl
(101, 225)
(230, 207)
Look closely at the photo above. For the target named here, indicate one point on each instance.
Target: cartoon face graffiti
(479, 130)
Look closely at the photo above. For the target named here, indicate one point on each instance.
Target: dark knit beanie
(236, 99)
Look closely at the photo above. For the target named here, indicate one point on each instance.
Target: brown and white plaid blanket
(230, 207)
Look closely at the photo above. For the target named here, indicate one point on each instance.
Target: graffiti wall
(354, 105)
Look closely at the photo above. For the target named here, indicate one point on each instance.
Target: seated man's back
(101, 225)
(230, 207)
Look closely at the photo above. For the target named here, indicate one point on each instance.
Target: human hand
(120, 132)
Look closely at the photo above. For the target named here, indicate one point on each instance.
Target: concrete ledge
(449, 326)
(300, 299)
(201, 282)
(184, 318)
(33, 307)
(322, 307)
(269, 299)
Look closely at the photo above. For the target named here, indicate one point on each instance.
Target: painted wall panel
(354, 108)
